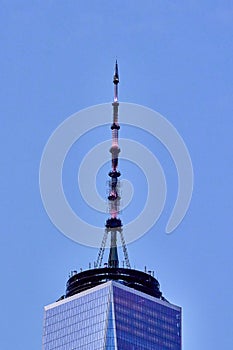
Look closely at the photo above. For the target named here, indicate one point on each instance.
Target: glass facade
(78, 322)
(143, 322)
(112, 317)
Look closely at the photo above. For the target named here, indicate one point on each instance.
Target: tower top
(138, 280)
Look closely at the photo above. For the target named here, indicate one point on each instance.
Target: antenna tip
(116, 74)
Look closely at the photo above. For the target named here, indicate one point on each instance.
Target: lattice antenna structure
(113, 224)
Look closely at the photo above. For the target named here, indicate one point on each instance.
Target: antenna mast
(113, 224)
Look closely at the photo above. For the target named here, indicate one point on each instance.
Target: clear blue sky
(175, 57)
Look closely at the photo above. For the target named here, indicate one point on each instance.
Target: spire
(116, 74)
(116, 82)
(113, 225)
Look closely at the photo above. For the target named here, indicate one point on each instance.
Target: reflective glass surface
(79, 323)
(111, 330)
(143, 324)
(112, 317)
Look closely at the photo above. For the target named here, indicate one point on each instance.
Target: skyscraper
(112, 308)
